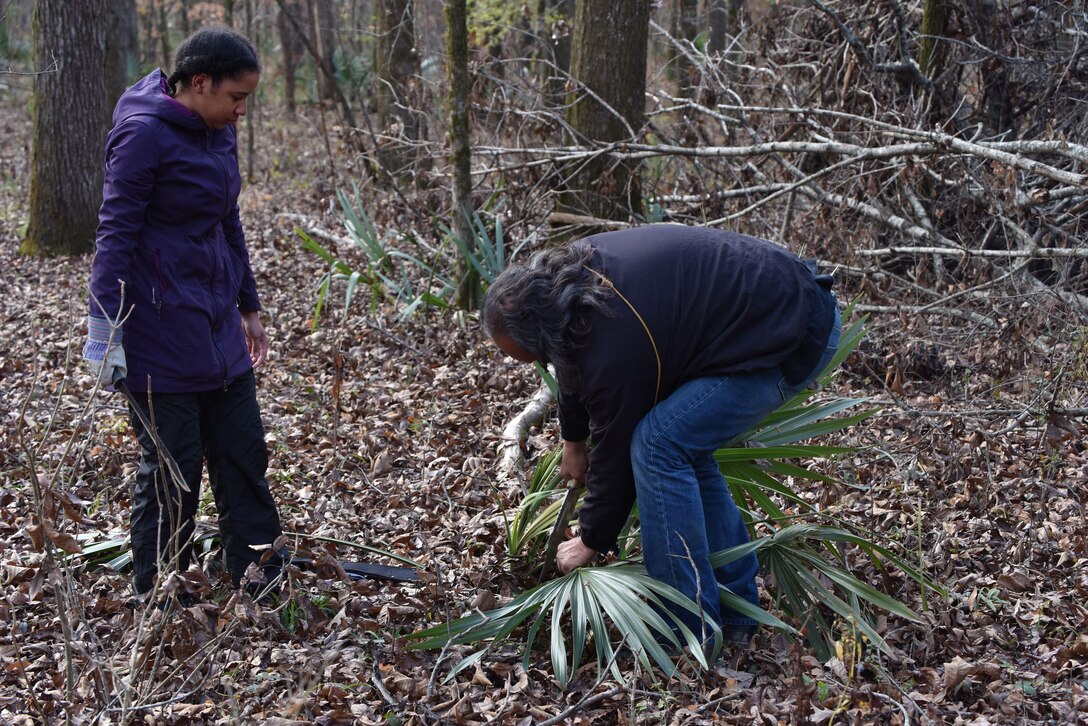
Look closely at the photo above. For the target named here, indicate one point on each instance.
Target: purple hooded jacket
(169, 229)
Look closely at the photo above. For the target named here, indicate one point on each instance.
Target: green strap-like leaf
(738, 604)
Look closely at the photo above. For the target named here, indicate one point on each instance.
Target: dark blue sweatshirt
(716, 303)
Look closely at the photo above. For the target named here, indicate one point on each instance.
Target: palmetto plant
(577, 609)
(412, 281)
(803, 561)
(536, 515)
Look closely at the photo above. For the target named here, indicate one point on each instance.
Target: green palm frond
(790, 424)
(798, 569)
(591, 604)
(114, 550)
(537, 512)
(756, 471)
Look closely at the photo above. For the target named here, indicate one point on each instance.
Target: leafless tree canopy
(943, 170)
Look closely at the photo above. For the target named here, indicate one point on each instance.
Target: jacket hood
(148, 97)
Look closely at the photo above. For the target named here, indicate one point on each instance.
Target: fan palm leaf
(591, 604)
(798, 574)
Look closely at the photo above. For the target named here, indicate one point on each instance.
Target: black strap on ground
(364, 570)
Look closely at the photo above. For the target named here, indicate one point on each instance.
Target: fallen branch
(514, 433)
(309, 227)
(932, 310)
(1005, 254)
(557, 218)
(585, 703)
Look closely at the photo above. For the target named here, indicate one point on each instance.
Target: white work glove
(104, 357)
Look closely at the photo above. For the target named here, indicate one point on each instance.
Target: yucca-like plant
(804, 567)
(484, 254)
(387, 273)
(535, 516)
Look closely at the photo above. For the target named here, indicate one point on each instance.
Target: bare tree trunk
(460, 145)
(324, 63)
(162, 20)
(555, 36)
(121, 50)
(684, 27)
(608, 62)
(724, 22)
(251, 117)
(930, 55)
(396, 70)
(324, 40)
(147, 48)
(291, 52)
(183, 11)
(718, 20)
(70, 120)
(992, 29)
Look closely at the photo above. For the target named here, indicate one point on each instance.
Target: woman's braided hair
(218, 51)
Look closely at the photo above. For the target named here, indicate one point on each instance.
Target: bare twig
(588, 702)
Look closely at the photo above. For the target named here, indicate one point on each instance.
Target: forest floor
(385, 432)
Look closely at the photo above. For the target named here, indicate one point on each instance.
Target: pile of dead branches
(948, 165)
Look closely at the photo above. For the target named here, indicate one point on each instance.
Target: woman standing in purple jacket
(170, 248)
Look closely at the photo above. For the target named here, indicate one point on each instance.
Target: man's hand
(575, 461)
(256, 339)
(573, 554)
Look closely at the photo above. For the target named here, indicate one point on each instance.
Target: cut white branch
(871, 211)
(1049, 252)
(512, 460)
(558, 218)
(936, 144)
(930, 310)
(1027, 146)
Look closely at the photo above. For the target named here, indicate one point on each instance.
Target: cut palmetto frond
(599, 605)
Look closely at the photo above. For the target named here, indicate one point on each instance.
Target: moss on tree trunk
(71, 118)
(460, 148)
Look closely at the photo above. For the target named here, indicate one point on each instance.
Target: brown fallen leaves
(385, 433)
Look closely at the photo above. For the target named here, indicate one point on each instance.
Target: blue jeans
(685, 508)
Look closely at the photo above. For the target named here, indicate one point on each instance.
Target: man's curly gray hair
(544, 306)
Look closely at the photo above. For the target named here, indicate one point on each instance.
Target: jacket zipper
(215, 257)
(158, 299)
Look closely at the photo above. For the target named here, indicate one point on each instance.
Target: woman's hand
(572, 554)
(256, 339)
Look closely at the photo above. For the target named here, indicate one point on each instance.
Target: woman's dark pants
(222, 427)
